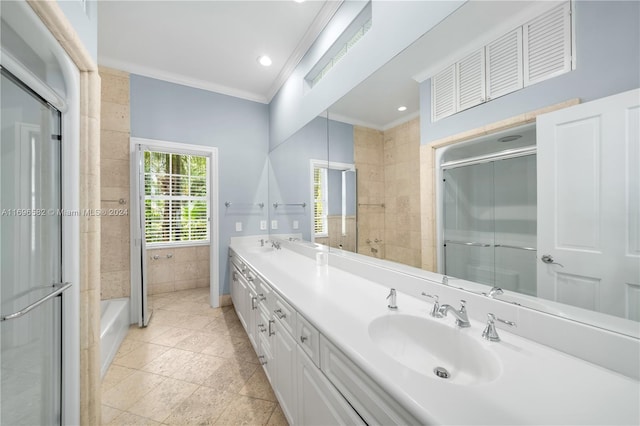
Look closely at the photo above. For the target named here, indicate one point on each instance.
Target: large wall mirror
(447, 197)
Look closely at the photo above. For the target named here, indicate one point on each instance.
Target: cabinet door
(252, 316)
(266, 357)
(284, 354)
(319, 403)
(243, 295)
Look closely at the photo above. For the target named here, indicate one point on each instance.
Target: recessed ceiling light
(299, 1)
(402, 108)
(265, 61)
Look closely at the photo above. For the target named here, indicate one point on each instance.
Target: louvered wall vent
(536, 51)
(347, 40)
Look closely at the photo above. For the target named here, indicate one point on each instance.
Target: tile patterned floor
(193, 365)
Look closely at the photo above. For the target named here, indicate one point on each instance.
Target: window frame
(169, 198)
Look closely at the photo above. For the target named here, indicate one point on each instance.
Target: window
(176, 198)
(320, 226)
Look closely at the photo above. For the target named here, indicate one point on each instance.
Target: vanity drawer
(265, 297)
(365, 396)
(308, 337)
(252, 279)
(285, 313)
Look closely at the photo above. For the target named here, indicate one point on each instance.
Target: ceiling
(212, 45)
(374, 102)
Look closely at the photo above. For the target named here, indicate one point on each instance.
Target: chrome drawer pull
(280, 314)
(303, 339)
(271, 332)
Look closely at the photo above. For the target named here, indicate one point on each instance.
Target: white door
(588, 205)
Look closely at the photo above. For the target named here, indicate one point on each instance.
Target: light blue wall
(237, 127)
(608, 62)
(396, 24)
(85, 23)
(290, 175)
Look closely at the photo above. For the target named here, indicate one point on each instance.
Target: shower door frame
(69, 107)
(439, 187)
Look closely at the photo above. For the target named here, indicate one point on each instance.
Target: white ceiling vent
(347, 40)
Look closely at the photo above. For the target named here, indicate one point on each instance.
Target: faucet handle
(435, 312)
(490, 333)
(463, 305)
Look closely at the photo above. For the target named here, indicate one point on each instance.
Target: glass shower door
(469, 223)
(31, 258)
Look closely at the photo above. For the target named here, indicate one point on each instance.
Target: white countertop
(535, 384)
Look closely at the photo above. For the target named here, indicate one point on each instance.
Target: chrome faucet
(275, 245)
(490, 333)
(392, 302)
(462, 320)
(435, 312)
(495, 291)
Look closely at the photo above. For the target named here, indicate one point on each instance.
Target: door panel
(588, 199)
(31, 257)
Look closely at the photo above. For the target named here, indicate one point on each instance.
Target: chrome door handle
(253, 303)
(60, 288)
(548, 259)
(271, 333)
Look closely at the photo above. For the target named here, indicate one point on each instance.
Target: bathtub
(114, 324)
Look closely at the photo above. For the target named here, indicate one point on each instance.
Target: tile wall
(369, 159)
(175, 269)
(114, 179)
(336, 238)
(402, 193)
(388, 164)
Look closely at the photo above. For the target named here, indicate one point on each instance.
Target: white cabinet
(319, 403)
(309, 339)
(370, 401)
(289, 348)
(251, 315)
(239, 294)
(284, 357)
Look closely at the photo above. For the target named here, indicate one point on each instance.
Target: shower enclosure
(489, 219)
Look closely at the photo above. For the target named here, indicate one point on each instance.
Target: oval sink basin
(424, 344)
(258, 249)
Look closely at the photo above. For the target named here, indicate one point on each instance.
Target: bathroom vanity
(336, 351)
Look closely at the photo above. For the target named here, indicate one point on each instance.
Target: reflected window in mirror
(320, 201)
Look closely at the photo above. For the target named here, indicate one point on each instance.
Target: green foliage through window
(176, 197)
(320, 225)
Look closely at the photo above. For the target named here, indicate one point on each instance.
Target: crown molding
(382, 128)
(181, 79)
(401, 120)
(354, 121)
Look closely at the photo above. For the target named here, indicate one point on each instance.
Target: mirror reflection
(489, 211)
(334, 205)
(461, 194)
